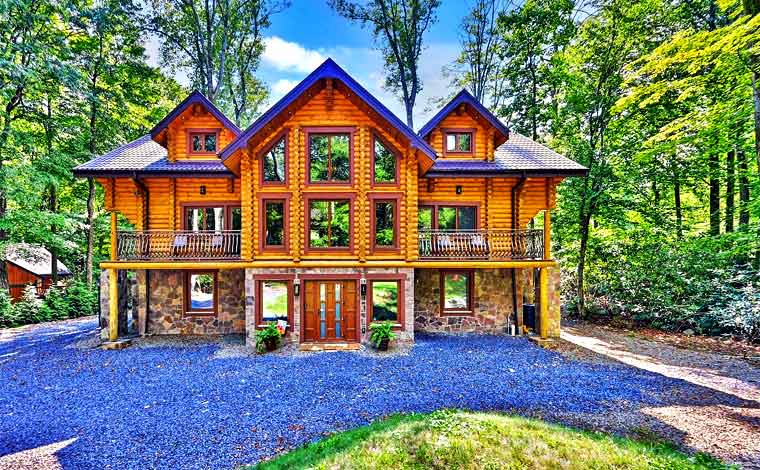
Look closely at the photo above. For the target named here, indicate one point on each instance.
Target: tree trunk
(584, 228)
(677, 202)
(756, 101)
(743, 189)
(713, 165)
(409, 114)
(730, 178)
(90, 228)
(53, 204)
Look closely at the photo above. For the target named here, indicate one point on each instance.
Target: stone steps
(329, 346)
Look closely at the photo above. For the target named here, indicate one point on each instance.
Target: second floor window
(212, 218)
(274, 216)
(329, 224)
(273, 168)
(443, 217)
(384, 166)
(203, 141)
(385, 224)
(329, 158)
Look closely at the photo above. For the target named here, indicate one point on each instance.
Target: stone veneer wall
(492, 299)
(406, 332)
(166, 305)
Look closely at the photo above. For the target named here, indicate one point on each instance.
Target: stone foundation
(405, 332)
(491, 310)
(166, 305)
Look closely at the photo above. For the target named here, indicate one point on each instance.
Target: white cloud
(289, 56)
(282, 86)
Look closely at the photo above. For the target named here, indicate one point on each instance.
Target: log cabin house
(329, 213)
(31, 265)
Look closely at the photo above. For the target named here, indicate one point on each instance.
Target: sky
(309, 32)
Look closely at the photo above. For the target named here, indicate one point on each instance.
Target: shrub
(56, 304)
(27, 309)
(82, 299)
(6, 309)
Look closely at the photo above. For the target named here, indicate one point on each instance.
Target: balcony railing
(178, 245)
(482, 244)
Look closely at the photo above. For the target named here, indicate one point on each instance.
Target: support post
(547, 234)
(114, 222)
(544, 304)
(113, 305)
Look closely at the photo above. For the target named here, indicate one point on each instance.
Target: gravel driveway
(204, 405)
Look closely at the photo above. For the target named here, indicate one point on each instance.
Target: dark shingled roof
(517, 156)
(33, 258)
(145, 157)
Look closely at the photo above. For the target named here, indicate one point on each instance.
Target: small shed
(30, 264)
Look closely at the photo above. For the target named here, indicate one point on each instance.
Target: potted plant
(268, 338)
(381, 335)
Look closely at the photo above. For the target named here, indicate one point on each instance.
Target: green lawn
(464, 440)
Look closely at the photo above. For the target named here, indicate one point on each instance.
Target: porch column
(547, 234)
(543, 323)
(114, 222)
(113, 305)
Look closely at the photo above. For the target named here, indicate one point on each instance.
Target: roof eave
(192, 98)
(89, 173)
(461, 173)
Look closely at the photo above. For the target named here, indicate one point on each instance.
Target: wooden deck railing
(481, 244)
(178, 245)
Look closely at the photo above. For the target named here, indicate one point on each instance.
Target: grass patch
(464, 440)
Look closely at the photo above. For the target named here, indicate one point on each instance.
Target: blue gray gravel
(181, 407)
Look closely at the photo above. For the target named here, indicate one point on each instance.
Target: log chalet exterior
(329, 213)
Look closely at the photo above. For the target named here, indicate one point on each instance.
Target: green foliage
(74, 300)
(28, 308)
(269, 335)
(459, 439)
(381, 331)
(6, 309)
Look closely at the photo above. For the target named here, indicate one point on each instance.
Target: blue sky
(301, 37)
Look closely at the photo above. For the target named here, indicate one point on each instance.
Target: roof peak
(464, 96)
(327, 69)
(195, 97)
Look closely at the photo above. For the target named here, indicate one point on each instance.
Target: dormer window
(459, 141)
(203, 141)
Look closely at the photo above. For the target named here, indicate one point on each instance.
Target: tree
(220, 43)
(530, 40)
(398, 27)
(478, 64)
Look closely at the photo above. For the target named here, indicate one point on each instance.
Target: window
(443, 217)
(329, 158)
(274, 225)
(274, 301)
(459, 141)
(214, 218)
(385, 300)
(384, 165)
(274, 163)
(456, 291)
(200, 293)
(203, 141)
(384, 223)
(329, 223)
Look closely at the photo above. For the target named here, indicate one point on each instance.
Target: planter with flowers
(269, 337)
(382, 334)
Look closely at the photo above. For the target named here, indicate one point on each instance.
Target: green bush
(6, 309)
(701, 283)
(27, 309)
(82, 299)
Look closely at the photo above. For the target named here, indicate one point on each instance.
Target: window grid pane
(275, 223)
(456, 295)
(385, 300)
(274, 301)
(385, 227)
(201, 288)
(329, 157)
(385, 164)
(274, 163)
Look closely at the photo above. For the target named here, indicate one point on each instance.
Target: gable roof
(33, 258)
(328, 69)
(518, 156)
(464, 97)
(145, 157)
(196, 97)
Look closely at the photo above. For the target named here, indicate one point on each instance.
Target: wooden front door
(330, 311)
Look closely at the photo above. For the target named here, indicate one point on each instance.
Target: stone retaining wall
(167, 312)
(492, 303)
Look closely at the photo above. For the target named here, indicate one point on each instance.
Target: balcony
(481, 244)
(178, 245)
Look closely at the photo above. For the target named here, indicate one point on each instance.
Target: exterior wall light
(363, 288)
(203, 189)
(296, 288)
(459, 189)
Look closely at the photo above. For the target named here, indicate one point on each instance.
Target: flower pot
(270, 345)
(383, 346)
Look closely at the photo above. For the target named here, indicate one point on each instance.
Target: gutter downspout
(146, 225)
(515, 190)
